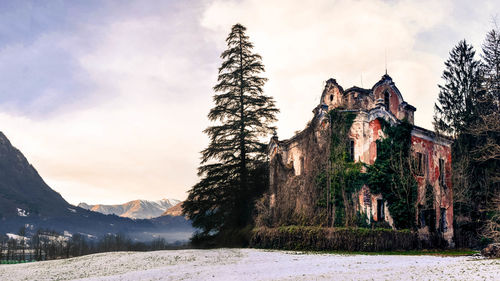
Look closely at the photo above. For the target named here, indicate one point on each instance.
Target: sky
(108, 99)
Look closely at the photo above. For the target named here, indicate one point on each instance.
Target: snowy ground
(251, 264)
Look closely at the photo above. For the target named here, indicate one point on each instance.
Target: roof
(358, 89)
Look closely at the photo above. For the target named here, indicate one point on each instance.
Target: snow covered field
(251, 264)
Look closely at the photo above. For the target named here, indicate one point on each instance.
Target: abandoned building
(296, 162)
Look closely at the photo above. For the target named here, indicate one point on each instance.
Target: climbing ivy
(344, 174)
(391, 174)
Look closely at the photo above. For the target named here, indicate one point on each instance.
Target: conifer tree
(231, 170)
(467, 109)
(486, 130)
(456, 110)
(491, 64)
(459, 95)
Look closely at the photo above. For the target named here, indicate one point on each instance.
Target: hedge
(335, 239)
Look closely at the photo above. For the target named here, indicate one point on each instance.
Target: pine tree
(458, 97)
(468, 110)
(232, 172)
(491, 64)
(486, 127)
(456, 110)
(486, 130)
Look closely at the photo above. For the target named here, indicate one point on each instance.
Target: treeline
(468, 111)
(49, 245)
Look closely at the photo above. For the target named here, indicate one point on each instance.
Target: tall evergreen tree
(491, 64)
(467, 109)
(231, 170)
(459, 95)
(486, 130)
(456, 110)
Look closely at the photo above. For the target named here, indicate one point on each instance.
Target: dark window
(420, 164)
(421, 216)
(380, 210)
(331, 97)
(442, 175)
(387, 99)
(443, 223)
(351, 150)
(428, 218)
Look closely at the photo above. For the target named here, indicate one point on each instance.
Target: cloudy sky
(108, 99)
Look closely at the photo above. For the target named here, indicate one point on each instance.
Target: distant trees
(3, 240)
(233, 165)
(47, 245)
(468, 110)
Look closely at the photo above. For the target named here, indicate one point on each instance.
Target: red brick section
(393, 101)
(434, 151)
(375, 127)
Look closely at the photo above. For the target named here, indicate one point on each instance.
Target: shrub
(334, 239)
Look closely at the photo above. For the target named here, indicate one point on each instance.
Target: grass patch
(15, 261)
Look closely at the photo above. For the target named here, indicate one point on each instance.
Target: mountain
(137, 209)
(27, 201)
(174, 211)
(22, 191)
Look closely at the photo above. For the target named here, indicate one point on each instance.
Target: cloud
(141, 135)
(109, 99)
(304, 45)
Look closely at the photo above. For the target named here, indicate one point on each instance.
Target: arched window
(387, 99)
(331, 97)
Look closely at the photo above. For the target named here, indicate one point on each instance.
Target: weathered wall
(293, 170)
(435, 149)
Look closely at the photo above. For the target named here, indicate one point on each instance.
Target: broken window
(380, 210)
(386, 99)
(442, 175)
(420, 164)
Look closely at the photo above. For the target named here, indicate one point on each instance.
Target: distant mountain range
(137, 209)
(174, 211)
(26, 200)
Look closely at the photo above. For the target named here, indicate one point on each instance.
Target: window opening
(387, 100)
(420, 169)
(380, 210)
(442, 176)
(421, 216)
(351, 150)
(443, 224)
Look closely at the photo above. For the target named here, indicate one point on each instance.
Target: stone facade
(294, 163)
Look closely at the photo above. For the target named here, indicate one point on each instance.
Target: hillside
(22, 191)
(174, 211)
